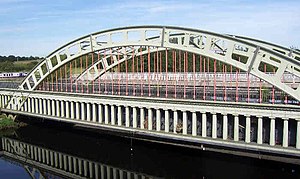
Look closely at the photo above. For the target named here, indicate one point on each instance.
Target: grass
(24, 62)
(6, 123)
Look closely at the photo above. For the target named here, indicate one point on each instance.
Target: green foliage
(10, 66)
(6, 123)
(13, 58)
(13, 63)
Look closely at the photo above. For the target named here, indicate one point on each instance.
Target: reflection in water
(68, 153)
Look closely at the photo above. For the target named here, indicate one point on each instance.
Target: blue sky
(29, 27)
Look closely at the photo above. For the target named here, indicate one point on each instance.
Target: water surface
(130, 158)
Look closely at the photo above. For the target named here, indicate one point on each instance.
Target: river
(125, 158)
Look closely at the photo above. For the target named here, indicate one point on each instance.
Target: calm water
(127, 157)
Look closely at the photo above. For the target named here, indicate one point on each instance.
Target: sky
(38, 27)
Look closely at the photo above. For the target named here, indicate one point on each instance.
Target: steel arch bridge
(170, 83)
(150, 51)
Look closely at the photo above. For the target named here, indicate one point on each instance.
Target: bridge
(174, 85)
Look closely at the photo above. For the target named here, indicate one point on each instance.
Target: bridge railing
(254, 127)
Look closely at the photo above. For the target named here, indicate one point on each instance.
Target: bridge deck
(262, 128)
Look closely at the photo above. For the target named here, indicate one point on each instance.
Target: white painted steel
(190, 40)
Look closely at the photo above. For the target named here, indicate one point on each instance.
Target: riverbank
(7, 123)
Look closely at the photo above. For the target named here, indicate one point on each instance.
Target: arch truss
(118, 46)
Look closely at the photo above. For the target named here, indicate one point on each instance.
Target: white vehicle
(13, 74)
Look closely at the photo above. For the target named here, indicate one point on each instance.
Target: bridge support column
(150, 118)
(248, 129)
(39, 154)
(1, 102)
(67, 110)
(33, 106)
(119, 115)
(259, 130)
(102, 171)
(142, 117)
(62, 109)
(91, 170)
(25, 105)
(204, 120)
(285, 139)
(65, 162)
(55, 159)
(57, 108)
(37, 106)
(158, 119)
(85, 170)
(298, 134)
(70, 164)
(22, 107)
(72, 110)
(88, 111)
(214, 125)
(127, 120)
(272, 132)
(113, 114)
(80, 166)
(60, 158)
(184, 122)
(96, 171)
(225, 126)
(82, 111)
(100, 113)
(5, 101)
(53, 107)
(167, 120)
(77, 110)
(236, 127)
(47, 157)
(175, 120)
(134, 115)
(29, 105)
(194, 123)
(94, 110)
(41, 106)
(106, 117)
(74, 165)
(48, 107)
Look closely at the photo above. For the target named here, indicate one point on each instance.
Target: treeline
(17, 58)
(10, 66)
(13, 63)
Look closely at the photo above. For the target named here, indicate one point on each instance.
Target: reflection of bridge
(170, 83)
(40, 162)
(69, 154)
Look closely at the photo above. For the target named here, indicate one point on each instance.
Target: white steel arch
(100, 67)
(212, 45)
